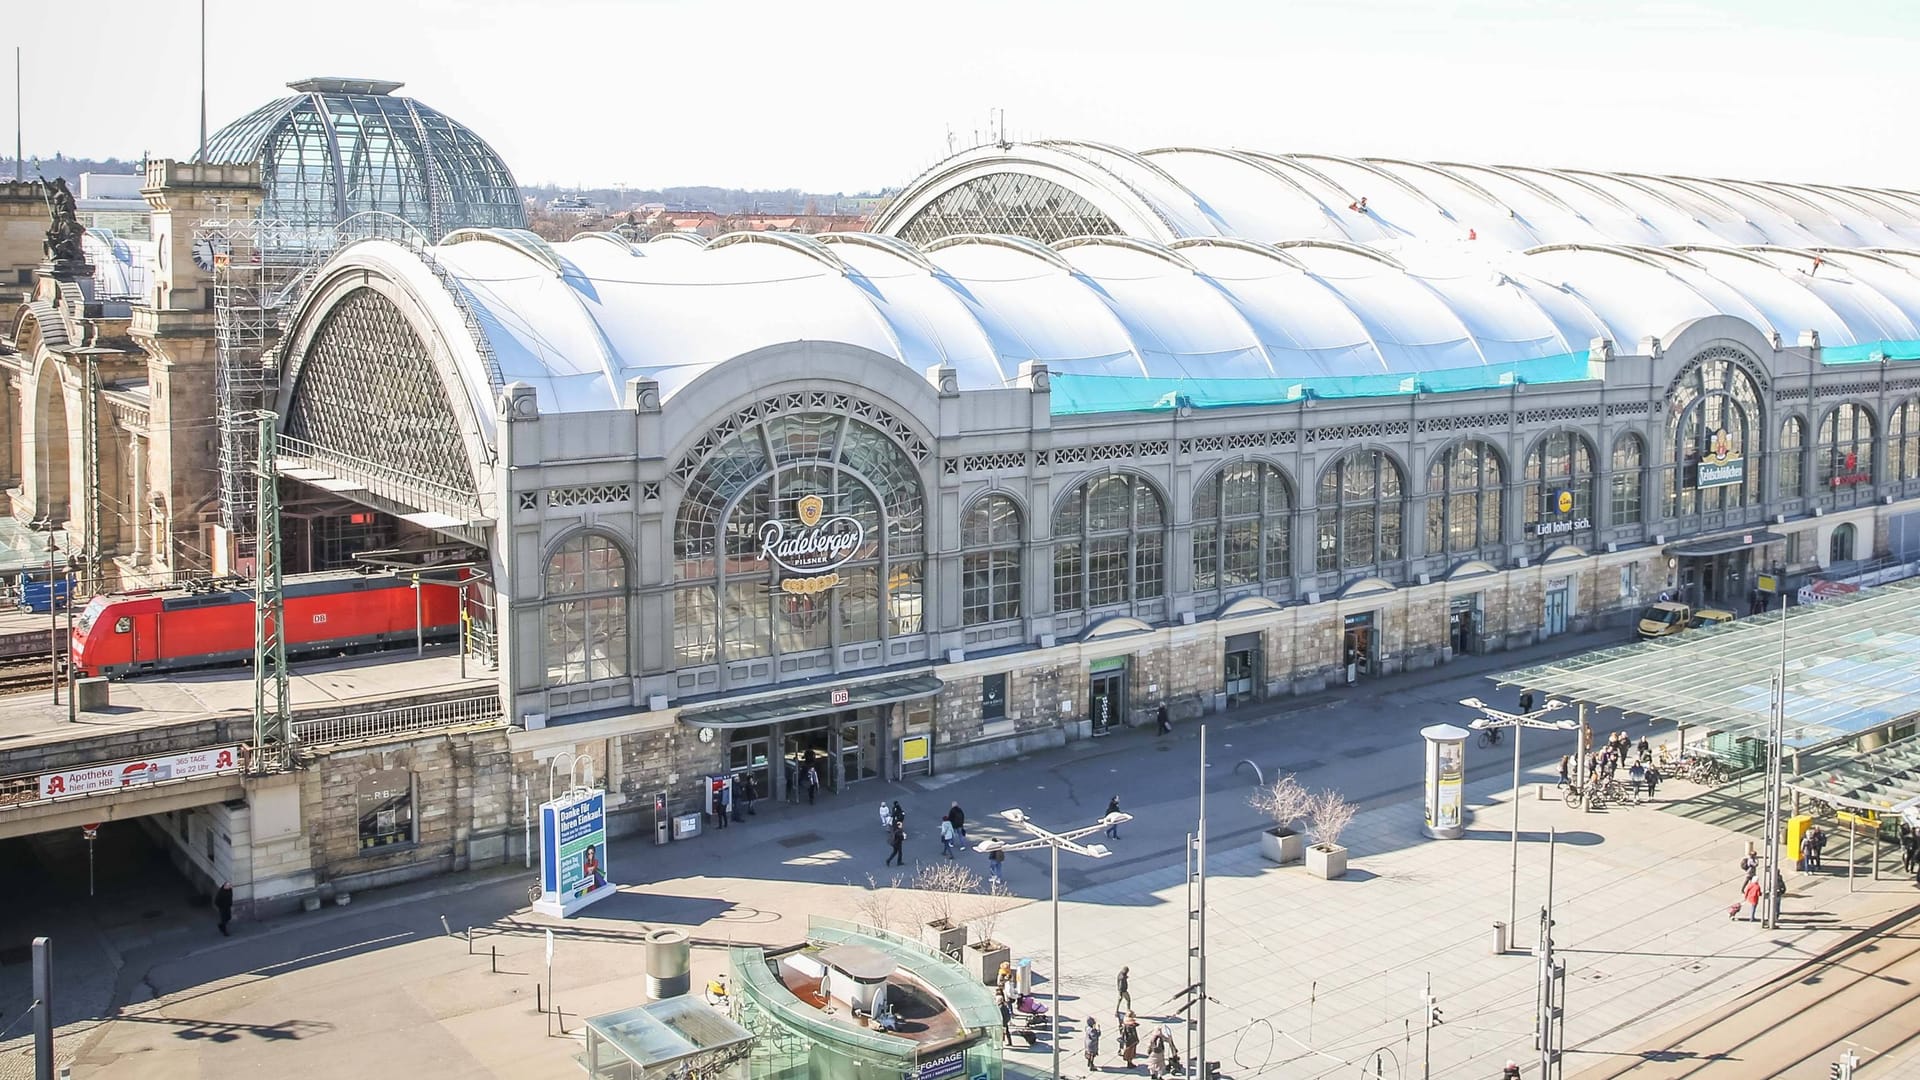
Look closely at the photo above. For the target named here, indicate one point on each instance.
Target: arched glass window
(990, 571)
(1360, 514)
(1109, 544)
(1843, 459)
(1464, 486)
(1242, 521)
(1793, 467)
(798, 534)
(586, 611)
(1714, 439)
(1557, 505)
(1629, 457)
(1007, 203)
(1840, 547)
(1903, 442)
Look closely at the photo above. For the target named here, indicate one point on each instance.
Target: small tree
(938, 888)
(997, 901)
(1284, 800)
(875, 905)
(1331, 815)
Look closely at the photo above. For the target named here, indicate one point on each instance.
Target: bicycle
(1489, 738)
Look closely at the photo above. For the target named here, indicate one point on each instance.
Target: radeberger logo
(814, 549)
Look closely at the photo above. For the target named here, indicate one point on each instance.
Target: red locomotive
(169, 629)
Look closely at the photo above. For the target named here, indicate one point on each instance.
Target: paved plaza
(1309, 977)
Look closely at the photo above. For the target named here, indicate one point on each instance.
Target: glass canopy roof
(1852, 665)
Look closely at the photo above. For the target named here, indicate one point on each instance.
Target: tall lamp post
(1039, 838)
(1495, 719)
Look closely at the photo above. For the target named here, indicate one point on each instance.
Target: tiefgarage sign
(815, 549)
(151, 770)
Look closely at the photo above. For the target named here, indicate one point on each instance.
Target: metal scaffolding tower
(248, 290)
(272, 712)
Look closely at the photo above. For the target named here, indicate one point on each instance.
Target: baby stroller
(1031, 1021)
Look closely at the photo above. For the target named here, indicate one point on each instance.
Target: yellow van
(1669, 617)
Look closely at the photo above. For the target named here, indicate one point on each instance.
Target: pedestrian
(1908, 847)
(813, 784)
(1566, 769)
(223, 905)
(1526, 701)
(1113, 827)
(1157, 1057)
(1750, 896)
(737, 802)
(946, 838)
(723, 804)
(1818, 836)
(1653, 780)
(1637, 776)
(896, 836)
(899, 815)
(1750, 863)
(1161, 720)
(1006, 1020)
(1129, 1038)
(1646, 749)
(748, 792)
(959, 819)
(1093, 1043)
(1123, 1001)
(1512, 1071)
(994, 860)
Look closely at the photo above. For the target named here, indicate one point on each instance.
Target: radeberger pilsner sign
(812, 549)
(1722, 464)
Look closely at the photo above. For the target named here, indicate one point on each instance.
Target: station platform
(378, 680)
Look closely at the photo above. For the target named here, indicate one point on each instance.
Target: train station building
(1072, 434)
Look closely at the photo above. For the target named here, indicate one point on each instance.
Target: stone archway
(51, 485)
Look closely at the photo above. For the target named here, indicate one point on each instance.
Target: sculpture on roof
(63, 243)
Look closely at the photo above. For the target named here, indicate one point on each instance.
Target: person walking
(899, 815)
(1006, 1019)
(896, 836)
(722, 805)
(1093, 1043)
(1113, 827)
(1129, 1038)
(1157, 1057)
(223, 905)
(994, 860)
(1909, 847)
(959, 819)
(1653, 780)
(1750, 898)
(946, 838)
(813, 783)
(1566, 769)
(1816, 842)
(748, 792)
(1123, 1001)
(1161, 720)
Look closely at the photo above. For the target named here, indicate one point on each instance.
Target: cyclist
(1492, 736)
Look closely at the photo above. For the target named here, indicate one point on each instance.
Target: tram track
(24, 674)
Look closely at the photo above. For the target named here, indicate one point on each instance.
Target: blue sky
(858, 95)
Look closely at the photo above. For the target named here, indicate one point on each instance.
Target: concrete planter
(1326, 862)
(1282, 845)
(991, 955)
(944, 937)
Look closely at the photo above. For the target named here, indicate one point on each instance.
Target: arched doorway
(52, 447)
(1840, 548)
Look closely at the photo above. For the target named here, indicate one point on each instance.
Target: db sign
(151, 770)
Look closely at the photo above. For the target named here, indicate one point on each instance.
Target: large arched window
(586, 611)
(1843, 458)
(1464, 486)
(1629, 457)
(1007, 203)
(1242, 521)
(1557, 506)
(1109, 544)
(1714, 437)
(1903, 442)
(990, 571)
(798, 534)
(1793, 467)
(1360, 514)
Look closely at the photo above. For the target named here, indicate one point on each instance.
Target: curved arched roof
(1122, 323)
(338, 147)
(1177, 193)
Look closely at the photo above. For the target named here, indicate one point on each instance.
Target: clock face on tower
(206, 250)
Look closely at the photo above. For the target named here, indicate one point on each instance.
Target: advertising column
(573, 853)
(1446, 775)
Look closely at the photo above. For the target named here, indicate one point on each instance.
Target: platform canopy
(1852, 664)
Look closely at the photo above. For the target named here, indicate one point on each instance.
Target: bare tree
(997, 901)
(937, 892)
(1284, 800)
(1331, 815)
(875, 905)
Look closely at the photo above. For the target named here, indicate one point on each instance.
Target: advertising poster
(573, 852)
(1452, 770)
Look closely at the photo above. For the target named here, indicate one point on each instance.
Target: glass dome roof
(339, 147)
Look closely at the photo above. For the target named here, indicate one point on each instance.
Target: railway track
(26, 673)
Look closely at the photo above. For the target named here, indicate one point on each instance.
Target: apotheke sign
(815, 549)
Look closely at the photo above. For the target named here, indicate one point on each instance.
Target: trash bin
(1023, 976)
(662, 831)
(668, 962)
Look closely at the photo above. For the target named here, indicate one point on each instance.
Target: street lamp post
(1495, 719)
(1039, 838)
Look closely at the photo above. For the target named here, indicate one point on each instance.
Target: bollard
(445, 927)
(1499, 939)
(469, 941)
(539, 1005)
(494, 950)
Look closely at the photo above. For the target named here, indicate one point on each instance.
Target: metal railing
(473, 710)
(379, 478)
